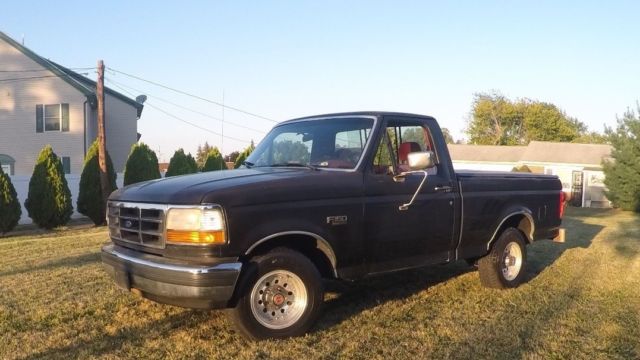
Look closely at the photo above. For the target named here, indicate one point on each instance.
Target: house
(579, 166)
(42, 103)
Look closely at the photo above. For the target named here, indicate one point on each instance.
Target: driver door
(422, 234)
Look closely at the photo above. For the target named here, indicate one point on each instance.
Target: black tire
(264, 282)
(498, 269)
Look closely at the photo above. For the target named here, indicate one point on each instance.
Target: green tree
(591, 137)
(202, 153)
(622, 174)
(49, 200)
(214, 161)
(181, 164)
(142, 165)
(231, 157)
(545, 122)
(243, 155)
(496, 120)
(447, 136)
(90, 200)
(10, 210)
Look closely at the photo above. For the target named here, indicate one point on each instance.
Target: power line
(147, 103)
(184, 107)
(194, 96)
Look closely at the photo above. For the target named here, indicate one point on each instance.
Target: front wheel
(279, 296)
(504, 266)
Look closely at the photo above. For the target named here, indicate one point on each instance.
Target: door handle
(443, 188)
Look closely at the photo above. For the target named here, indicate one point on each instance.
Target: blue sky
(284, 59)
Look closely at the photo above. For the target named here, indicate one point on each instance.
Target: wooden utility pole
(102, 149)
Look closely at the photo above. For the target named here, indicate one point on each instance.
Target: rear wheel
(504, 266)
(279, 296)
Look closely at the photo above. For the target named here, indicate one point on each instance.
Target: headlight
(196, 226)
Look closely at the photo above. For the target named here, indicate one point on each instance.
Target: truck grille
(137, 223)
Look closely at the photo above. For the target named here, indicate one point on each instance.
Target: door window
(400, 139)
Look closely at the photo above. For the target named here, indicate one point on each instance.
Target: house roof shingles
(486, 153)
(535, 152)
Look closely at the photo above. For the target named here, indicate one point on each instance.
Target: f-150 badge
(337, 220)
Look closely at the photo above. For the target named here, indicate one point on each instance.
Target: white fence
(21, 183)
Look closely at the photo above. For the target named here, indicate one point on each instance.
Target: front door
(422, 234)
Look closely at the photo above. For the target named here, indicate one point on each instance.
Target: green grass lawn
(581, 300)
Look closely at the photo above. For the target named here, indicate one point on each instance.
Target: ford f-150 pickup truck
(339, 196)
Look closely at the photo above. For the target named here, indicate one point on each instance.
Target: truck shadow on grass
(71, 261)
(134, 336)
(355, 298)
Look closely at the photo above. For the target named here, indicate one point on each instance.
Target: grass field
(581, 300)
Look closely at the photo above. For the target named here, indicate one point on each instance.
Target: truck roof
(360, 113)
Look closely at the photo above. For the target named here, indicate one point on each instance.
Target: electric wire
(186, 108)
(192, 95)
(147, 103)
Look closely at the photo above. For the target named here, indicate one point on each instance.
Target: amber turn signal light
(196, 237)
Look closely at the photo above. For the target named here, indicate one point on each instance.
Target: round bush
(181, 164)
(49, 200)
(142, 165)
(90, 200)
(10, 211)
(214, 161)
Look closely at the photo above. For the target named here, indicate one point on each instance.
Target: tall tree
(447, 136)
(202, 153)
(622, 175)
(496, 120)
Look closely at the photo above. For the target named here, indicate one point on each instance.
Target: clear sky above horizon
(284, 59)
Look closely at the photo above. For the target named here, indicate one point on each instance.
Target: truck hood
(242, 186)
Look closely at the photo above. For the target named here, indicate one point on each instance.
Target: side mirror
(421, 160)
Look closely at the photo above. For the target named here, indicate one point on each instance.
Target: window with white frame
(52, 117)
(6, 169)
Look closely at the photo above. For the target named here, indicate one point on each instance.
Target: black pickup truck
(339, 196)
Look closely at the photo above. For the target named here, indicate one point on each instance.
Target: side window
(383, 160)
(404, 138)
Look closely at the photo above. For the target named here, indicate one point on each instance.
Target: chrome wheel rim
(511, 261)
(278, 299)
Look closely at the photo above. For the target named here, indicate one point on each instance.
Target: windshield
(332, 143)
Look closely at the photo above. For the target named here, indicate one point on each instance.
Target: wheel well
(305, 244)
(521, 222)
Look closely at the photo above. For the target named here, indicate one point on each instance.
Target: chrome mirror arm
(404, 207)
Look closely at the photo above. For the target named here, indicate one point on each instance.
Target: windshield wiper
(292, 164)
(248, 164)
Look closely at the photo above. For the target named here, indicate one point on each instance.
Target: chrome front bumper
(172, 281)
